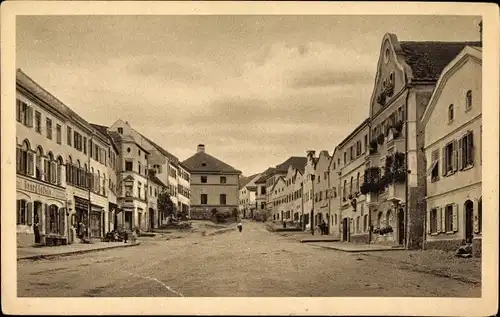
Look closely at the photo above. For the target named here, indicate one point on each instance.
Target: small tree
(165, 205)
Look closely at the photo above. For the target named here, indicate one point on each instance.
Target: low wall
(360, 238)
(386, 239)
(25, 240)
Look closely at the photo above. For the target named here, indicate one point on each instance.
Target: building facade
(214, 185)
(321, 189)
(247, 197)
(452, 145)
(308, 180)
(396, 166)
(354, 217)
(261, 195)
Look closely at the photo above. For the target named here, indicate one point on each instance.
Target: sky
(254, 89)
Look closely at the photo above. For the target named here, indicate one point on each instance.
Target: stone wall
(386, 239)
(205, 213)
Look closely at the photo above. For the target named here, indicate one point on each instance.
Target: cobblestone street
(253, 263)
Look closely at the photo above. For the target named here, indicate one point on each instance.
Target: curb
(48, 256)
(430, 270)
(325, 240)
(350, 251)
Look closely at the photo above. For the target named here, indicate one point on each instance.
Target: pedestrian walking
(240, 227)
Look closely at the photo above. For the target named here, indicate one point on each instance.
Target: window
(450, 113)
(24, 113)
(120, 130)
(139, 189)
(366, 143)
(480, 215)
(49, 128)
(345, 157)
(365, 222)
(433, 221)
(391, 78)
(203, 179)
(84, 145)
(449, 158)
(358, 148)
(139, 167)
(435, 166)
(58, 134)
(468, 100)
(350, 185)
(351, 153)
(129, 166)
(204, 199)
(222, 179)
(344, 191)
(357, 183)
(466, 151)
(39, 158)
(24, 212)
(24, 159)
(448, 220)
(358, 228)
(68, 135)
(38, 122)
(222, 199)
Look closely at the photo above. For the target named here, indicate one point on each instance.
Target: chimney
(311, 153)
(481, 31)
(201, 148)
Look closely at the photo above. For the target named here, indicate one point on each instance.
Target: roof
(172, 158)
(246, 180)
(459, 60)
(297, 162)
(263, 177)
(152, 177)
(428, 59)
(24, 80)
(203, 162)
(104, 130)
(353, 133)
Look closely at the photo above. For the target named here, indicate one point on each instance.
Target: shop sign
(39, 188)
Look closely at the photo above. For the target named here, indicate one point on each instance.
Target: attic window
(386, 55)
(128, 150)
(203, 164)
(120, 130)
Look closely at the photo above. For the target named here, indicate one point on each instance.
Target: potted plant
(376, 230)
(380, 138)
(389, 229)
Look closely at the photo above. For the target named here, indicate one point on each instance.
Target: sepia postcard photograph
(250, 158)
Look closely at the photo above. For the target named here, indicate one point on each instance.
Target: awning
(429, 171)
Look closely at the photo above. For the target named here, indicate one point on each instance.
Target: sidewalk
(435, 262)
(353, 247)
(33, 253)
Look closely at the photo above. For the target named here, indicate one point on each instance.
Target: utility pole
(313, 199)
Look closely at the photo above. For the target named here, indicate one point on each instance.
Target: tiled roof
(203, 162)
(172, 158)
(296, 162)
(245, 180)
(104, 130)
(24, 80)
(264, 175)
(428, 59)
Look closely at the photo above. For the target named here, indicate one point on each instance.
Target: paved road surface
(253, 263)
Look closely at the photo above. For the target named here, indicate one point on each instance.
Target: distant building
(214, 185)
(322, 206)
(247, 196)
(452, 145)
(261, 194)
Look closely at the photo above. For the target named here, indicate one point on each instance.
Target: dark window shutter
(47, 219)
(18, 213)
(30, 213)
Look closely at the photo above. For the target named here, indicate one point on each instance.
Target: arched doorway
(469, 221)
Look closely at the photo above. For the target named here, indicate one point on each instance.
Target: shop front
(41, 216)
(81, 218)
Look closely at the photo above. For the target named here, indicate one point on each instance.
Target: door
(469, 221)
(401, 227)
(345, 229)
(128, 220)
(151, 219)
(37, 212)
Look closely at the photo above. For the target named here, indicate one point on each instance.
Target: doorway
(128, 220)
(345, 229)
(401, 226)
(151, 219)
(37, 226)
(469, 222)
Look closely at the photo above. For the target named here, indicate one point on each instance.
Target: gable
(391, 75)
(468, 55)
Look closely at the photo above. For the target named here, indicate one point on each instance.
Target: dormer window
(120, 130)
(387, 54)
(450, 113)
(391, 78)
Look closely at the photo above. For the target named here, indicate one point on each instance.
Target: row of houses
(410, 173)
(72, 172)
